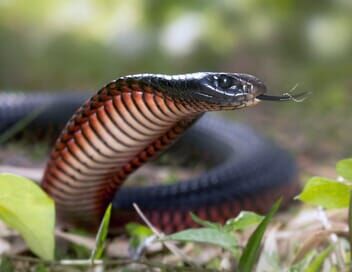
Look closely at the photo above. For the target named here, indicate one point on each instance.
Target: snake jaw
(250, 100)
(253, 102)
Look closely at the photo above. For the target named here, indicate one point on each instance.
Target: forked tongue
(300, 97)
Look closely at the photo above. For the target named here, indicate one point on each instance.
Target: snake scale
(132, 120)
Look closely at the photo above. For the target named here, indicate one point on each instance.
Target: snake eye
(225, 82)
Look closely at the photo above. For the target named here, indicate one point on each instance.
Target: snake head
(234, 90)
(230, 90)
(220, 91)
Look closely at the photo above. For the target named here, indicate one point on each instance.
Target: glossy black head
(222, 90)
(230, 89)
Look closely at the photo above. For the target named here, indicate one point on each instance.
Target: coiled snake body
(134, 118)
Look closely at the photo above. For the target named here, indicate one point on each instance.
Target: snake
(133, 120)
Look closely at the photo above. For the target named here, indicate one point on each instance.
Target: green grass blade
(318, 261)
(251, 251)
(20, 125)
(100, 239)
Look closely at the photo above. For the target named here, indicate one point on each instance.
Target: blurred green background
(83, 44)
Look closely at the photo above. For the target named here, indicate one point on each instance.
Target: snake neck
(109, 137)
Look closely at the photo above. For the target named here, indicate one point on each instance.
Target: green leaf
(138, 233)
(205, 235)
(251, 251)
(205, 223)
(326, 193)
(318, 261)
(344, 169)
(242, 221)
(100, 239)
(25, 207)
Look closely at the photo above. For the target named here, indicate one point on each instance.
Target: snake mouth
(300, 97)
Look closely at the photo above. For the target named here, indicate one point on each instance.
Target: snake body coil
(133, 119)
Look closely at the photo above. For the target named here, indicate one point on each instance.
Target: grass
(300, 239)
(303, 238)
(282, 249)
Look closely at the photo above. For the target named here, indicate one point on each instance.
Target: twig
(149, 224)
(177, 252)
(76, 239)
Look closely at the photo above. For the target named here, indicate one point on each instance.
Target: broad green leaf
(138, 233)
(242, 221)
(344, 169)
(100, 239)
(326, 193)
(251, 251)
(205, 235)
(25, 207)
(318, 261)
(205, 223)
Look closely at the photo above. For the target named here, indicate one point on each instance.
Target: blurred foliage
(83, 44)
